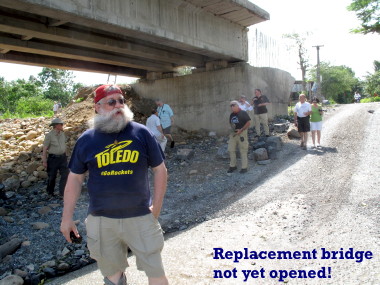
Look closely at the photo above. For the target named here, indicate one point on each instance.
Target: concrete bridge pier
(201, 100)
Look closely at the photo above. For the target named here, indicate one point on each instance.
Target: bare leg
(158, 280)
(114, 278)
(305, 140)
(302, 137)
(319, 137)
(313, 136)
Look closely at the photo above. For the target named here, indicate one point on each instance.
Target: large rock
(12, 183)
(6, 135)
(275, 142)
(12, 280)
(260, 154)
(33, 166)
(184, 154)
(31, 135)
(293, 134)
(23, 156)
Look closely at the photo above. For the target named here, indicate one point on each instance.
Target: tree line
(36, 96)
(339, 82)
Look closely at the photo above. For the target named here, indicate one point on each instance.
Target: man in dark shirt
(260, 112)
(240, 122)
(117, 154)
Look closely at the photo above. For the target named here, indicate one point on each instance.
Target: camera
(75, 239)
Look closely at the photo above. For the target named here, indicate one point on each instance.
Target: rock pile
(31, 245)
(21, 140)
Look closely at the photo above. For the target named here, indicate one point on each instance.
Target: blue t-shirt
(118, 164)
(165, 113)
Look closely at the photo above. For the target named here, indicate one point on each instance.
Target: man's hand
(67, 227)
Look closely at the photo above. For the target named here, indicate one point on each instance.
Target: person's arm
(295, 116)
(245, 127)
(266, 102)
(249, 107)
(308, 113)
(44, 156)
(171, 114)
(159, 128)
(72, 192)
(160, 182)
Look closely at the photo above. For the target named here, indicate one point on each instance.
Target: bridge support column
(201, 100)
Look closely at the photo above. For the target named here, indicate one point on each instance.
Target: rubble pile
(21, 140)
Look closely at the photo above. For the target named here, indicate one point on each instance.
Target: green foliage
(370, 99)
(12, 91)
(376, 65)
(368, 12)
(185, 70)
(7, 115)
(79, 100)
(339, 82)
(34, 106)
(58, 84)
(372, 83)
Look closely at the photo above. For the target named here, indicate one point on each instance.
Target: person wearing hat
(122, 214)
(54, 157)
(240, 122)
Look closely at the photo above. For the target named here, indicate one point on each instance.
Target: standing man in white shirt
(302, 112)
(154, 125)
(55, 108)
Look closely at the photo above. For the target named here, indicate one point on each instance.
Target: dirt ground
(314, 201)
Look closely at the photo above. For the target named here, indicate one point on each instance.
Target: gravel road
(314, 201)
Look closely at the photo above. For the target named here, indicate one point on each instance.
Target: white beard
(105, 122)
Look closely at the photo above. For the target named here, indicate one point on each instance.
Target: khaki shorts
(109, 239)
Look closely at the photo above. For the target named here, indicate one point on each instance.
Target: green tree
(298, 43)
(368, 12)
(372, 81)
(12, 91)
(34, 106)
(376, 65)
(338, 82)
(58, 84)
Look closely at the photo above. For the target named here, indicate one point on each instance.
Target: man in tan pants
(240, 122)
(260, 112)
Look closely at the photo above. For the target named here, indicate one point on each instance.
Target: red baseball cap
(105, 90)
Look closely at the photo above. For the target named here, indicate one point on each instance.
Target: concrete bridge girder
(151, 35)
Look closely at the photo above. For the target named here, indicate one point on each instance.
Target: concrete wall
(170, 22)
(201, 100)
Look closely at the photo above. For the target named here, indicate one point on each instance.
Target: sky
(328, 22)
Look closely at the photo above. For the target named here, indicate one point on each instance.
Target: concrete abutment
(201, 100)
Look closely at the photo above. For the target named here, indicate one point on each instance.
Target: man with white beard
(117, 152)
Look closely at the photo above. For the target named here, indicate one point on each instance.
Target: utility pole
(318, 91)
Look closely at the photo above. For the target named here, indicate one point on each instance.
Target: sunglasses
(112, 102)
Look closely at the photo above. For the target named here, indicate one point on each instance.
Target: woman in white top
(302, 112)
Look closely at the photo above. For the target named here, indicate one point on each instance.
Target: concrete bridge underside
(125, 37)
(150, 39)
